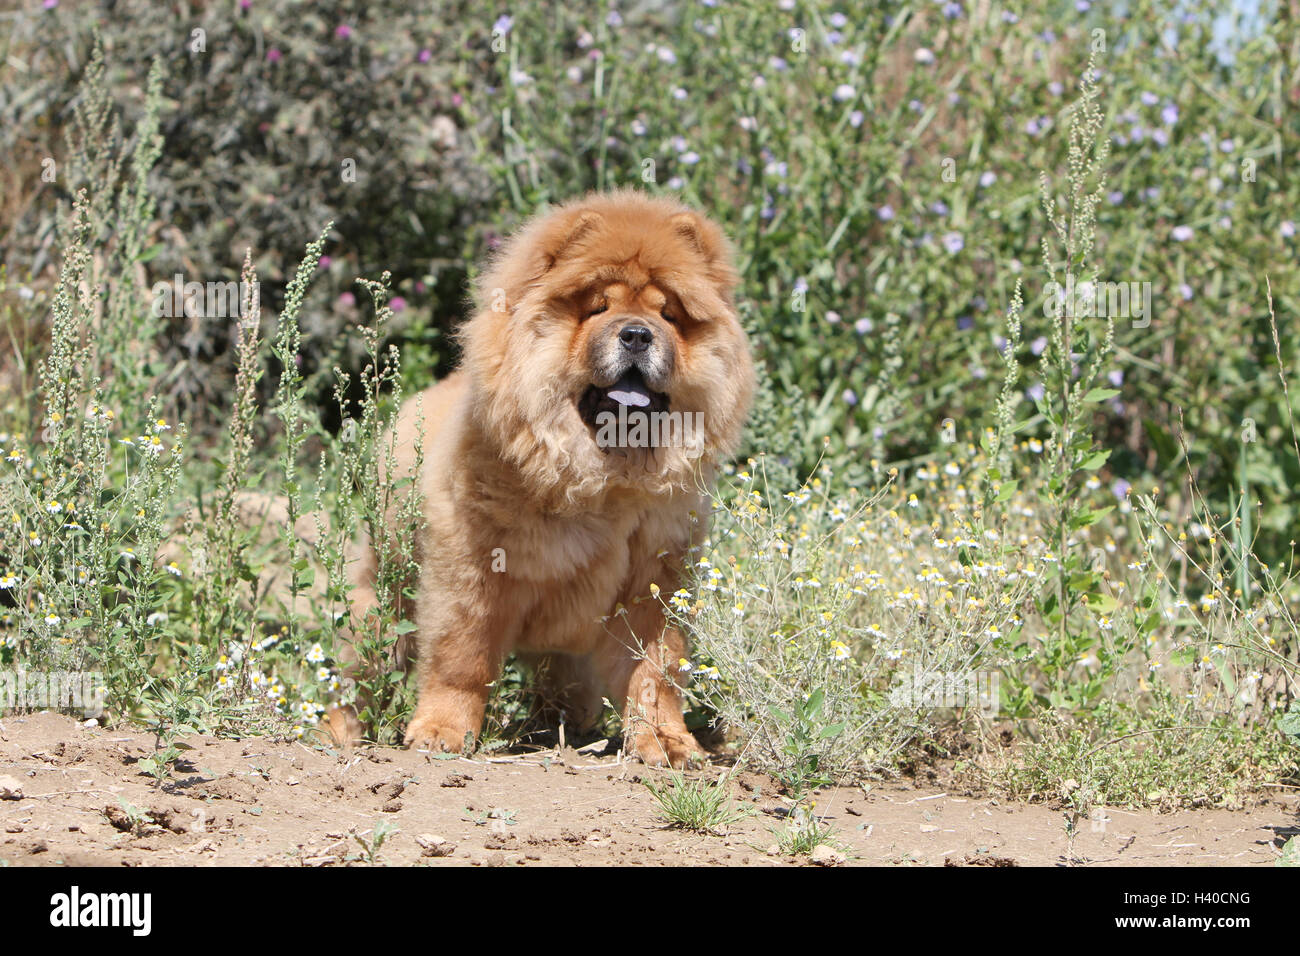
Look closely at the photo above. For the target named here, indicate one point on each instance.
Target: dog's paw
(674, 748)
(341, 727)
(426, 733)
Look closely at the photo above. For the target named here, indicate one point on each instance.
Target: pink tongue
(637, 399)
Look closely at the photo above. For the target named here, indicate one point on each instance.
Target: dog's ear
(690, 227)
(531, 254)
(708, 240)
(566, 231)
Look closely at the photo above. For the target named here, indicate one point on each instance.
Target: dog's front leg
(462, 648)
(640, 662)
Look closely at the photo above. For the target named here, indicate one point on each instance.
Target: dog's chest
(578, 572)
(560, 549)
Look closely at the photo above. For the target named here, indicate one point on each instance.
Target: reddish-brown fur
(513, 473)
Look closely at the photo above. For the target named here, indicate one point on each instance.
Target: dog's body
(536, 538)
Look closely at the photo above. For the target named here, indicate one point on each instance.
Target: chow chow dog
(555, 521)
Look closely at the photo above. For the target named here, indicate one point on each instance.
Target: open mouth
(630, 392)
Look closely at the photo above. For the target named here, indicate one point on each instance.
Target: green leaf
(1086, 518)
(1289, 723)
(1290, 853)
(812, 707)
(1100, 394)
(1102, 603)
(149, 254)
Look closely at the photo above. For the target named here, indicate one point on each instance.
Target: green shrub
(124, 553)
(279, 116)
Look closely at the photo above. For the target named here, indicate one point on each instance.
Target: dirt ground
(76, 797)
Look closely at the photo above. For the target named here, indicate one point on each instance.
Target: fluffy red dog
(549, 510)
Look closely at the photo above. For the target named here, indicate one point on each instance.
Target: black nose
(635, 338)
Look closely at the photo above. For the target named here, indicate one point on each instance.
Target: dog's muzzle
(631, 365)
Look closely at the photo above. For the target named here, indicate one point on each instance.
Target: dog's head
(606, 315)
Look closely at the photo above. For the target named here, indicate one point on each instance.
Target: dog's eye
(667, 317)
(596, 311)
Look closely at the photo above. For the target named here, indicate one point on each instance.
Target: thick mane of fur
(514, 348)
